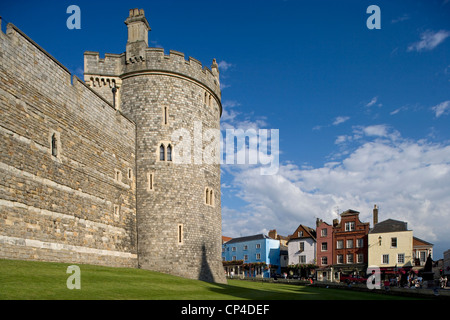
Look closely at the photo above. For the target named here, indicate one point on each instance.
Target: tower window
(180, 234)
(165, 116)
(116, 212)
(169, 153)
(165, 151)
(150, 181)
(117, 175)
(209, 196)
(54, 145)
(162, 153)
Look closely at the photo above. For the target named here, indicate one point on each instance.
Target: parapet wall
(155, 61)
(67, 183)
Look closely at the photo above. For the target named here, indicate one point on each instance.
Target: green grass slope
(30, 280)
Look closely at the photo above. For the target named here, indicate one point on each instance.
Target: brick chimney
(335, 222)
(273, 234)
(375, 215)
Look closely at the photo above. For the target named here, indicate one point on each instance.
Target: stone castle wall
(77, 205)
(81, 178)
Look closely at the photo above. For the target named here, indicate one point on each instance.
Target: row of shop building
(330, 251)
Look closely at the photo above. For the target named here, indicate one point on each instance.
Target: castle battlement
(140, 59)
(114, 67)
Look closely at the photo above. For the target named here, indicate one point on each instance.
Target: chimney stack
(375, 215)
(335, 222)
(273, 234)
(138, 29)
(318, 222)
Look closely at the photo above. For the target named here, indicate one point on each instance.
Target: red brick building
(350, 245)
(324, 251)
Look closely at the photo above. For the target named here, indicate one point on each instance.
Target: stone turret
(178, 205)
(138, 29)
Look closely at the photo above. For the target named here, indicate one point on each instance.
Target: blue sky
(363, 115)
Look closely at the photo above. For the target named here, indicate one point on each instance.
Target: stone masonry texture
(75, 164)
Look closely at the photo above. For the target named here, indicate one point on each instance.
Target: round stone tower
(175, 104)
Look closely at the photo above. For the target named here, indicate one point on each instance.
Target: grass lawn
(28, 280)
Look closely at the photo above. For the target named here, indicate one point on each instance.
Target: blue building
(251, 256)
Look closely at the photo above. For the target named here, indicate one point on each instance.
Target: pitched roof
(249, 238)
(310, 233)
(419, 242)
(349, 212)
(225, 239)
(389, 225)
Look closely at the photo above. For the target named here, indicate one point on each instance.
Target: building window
(209, 196)
(150, 181)
(245, 257)
(423, 255)
(300, 234)
(360, 243)
(339, 244)
(301, 246)
(117, 175)
(116, 212)
(324, 246)
(233, 258)
(360, 258)
(165, 151)
(55, 144)
(385, 259)
(350, 243)
(350, 226)
(340, 259)
(180, 234)
(393, 242)
(258, 246)
(350, 258)
(302, 259)
(130, 173)
(323, 232)
(233, 248)
(246, 247)
(165, 116)
(169, 152)
(258, 256)
(324, 261)
(401, 258)
(162, 153)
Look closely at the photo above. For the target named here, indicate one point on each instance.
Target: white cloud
(409, 180)
(429, 40)
(372, 102)
(224, 66)
(442, 108)
(340, 120)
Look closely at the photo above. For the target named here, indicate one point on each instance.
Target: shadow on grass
(258, 290)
